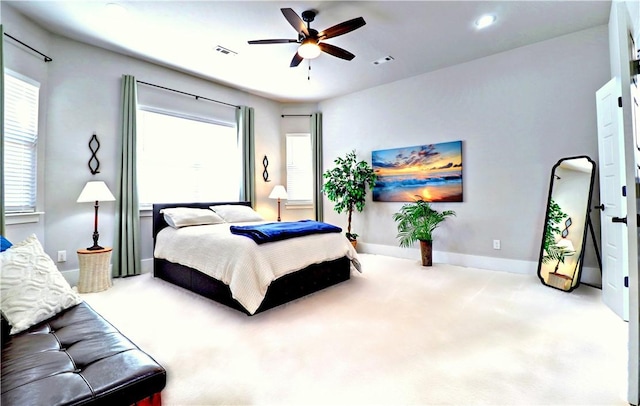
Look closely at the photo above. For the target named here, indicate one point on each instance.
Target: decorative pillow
(236, 213)
(32, 289)
(178, 217)
(4, 244)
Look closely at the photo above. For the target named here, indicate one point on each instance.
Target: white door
(612, 191)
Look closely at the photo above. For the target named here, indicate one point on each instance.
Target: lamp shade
(566, 244)
(278, 192)
(95, 191)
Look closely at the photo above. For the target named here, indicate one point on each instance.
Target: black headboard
(158, 218)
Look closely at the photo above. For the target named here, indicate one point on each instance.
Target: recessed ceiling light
(485, 21)
(115, 9)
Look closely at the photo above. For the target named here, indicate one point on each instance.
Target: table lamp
(95, 191)
(278, 192)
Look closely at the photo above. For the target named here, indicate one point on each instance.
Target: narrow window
(299, 169)
(21, 97)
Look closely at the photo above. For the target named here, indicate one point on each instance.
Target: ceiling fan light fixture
(309, 49)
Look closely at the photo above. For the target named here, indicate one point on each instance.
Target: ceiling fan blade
(336, 51)
(296, 60)
(342, 28)
(295, 21)
(272, 41)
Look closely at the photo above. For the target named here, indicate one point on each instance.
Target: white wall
(82, 96)
(517, 113)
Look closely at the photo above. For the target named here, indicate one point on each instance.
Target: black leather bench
(76, 358)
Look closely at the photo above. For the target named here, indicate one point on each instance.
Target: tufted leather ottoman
(75, 358)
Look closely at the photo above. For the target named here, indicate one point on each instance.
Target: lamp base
(95, 245)
(95, 248)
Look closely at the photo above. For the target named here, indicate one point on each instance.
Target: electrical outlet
(62, 256)
(496, 244)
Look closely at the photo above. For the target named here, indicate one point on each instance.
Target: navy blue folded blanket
(269, 232)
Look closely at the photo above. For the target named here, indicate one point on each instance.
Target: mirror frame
(575, 282)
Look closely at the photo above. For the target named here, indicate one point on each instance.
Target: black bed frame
(282, 290)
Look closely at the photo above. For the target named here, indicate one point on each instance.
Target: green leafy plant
(346, 186)
(417, 221)
(552, 251)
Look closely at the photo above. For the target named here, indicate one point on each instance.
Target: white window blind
(186, 159)
(299, 169)
(20, 142)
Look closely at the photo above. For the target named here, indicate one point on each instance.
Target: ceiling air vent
(225, 51)
(385, 59)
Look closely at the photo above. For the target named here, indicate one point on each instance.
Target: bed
(285, 282)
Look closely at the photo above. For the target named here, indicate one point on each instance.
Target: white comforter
(248, 268)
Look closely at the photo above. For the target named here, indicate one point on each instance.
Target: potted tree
(346, 186)
(554, 250)
(551, 250)
(416, 222)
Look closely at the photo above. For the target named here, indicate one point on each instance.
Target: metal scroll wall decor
(265, 174)
(94, 146)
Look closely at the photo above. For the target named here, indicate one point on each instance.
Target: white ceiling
(421, 36)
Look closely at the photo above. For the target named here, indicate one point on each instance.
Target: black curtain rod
(46, 58)
(296, 115)
(188, 94)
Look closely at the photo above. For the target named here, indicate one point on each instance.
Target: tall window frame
(181, 178)
(20, 171)
(300, 173)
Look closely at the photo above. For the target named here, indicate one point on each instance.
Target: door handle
(619, 220)
(601, 207)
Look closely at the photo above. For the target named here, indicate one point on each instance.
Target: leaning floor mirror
(566, 222)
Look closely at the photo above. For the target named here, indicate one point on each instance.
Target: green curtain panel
(244, 124)
(316, 139)
(2, 218)
(127, 255)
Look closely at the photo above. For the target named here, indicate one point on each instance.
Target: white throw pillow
(32, 289)
(178, 217)
(236, 213)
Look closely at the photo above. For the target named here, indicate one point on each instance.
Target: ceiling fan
(310, 40)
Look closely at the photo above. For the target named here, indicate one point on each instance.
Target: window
(20, 142)
(299, 169)
(186, 159)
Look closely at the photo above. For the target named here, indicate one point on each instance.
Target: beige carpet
(398, 334)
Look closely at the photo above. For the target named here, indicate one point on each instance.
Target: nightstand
(95, 272)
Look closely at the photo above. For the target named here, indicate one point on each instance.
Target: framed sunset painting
(432, 172)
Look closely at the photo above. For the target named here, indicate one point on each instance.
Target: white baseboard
(472, 261)
(73, 275)
(590, 275)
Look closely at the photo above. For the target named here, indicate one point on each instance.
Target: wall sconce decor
(94, 146)
(265, 174)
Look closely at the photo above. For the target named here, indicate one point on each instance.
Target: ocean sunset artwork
(432, 172)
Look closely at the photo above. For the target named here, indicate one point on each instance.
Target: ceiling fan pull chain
(309, 71)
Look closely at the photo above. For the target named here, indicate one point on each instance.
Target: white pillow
(236, 213)
(178, 217)
(32, 289)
